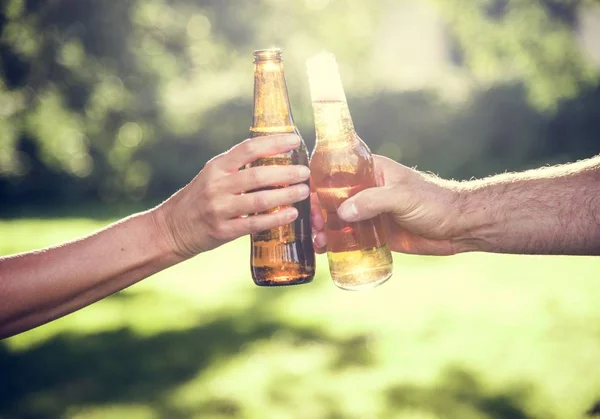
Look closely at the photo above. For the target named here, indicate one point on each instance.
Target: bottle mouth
(324, 78)
(270, 54)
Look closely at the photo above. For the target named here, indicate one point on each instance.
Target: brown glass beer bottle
(284, 255)
(341, 166)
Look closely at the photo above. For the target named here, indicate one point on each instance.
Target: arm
(40, 286)
(553, 210)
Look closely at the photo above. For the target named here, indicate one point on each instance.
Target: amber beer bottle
(341, 166)
(284, 255)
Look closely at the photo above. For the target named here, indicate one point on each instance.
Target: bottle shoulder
(347, 148)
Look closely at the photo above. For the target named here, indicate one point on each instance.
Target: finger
(255, 223)
(388, 171)
(320, 242)
(253, 148)
(318, 224)
(367, 204)
(379, 176)
(317, 219)
(256, 202)
(260, 177)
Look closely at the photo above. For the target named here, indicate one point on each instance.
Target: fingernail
(303, 191)
(304, 172)
(291, 214)
(348, 211)
(320, 240)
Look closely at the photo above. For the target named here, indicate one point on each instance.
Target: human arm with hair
(551, 210)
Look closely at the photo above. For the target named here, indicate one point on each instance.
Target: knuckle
(260, 201)
(211, 166)
(254, 224)
(249, 147)
(211, 190)
(282, 217)
(276, 175)
(208, 167)
(212, 209)
(213, 161)
(285, 173)
(292, 174)
(255, 176)
(219, 232)
(294, 194)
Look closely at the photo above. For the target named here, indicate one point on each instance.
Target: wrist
(163, 233)
(476, 221)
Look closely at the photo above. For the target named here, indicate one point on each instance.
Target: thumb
(367, 204)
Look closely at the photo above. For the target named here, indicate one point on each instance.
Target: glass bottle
(341, 166)
(284, 255)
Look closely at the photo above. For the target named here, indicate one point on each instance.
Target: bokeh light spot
(71, 54)
(81, 164)
(130, 134)
(198, 27)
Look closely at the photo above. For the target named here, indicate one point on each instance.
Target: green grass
(463, 337)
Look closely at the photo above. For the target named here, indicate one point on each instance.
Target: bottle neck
(333, 122)
(272, 113)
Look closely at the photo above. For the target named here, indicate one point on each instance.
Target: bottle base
(270, 277)
(356, 283)
(283, 282)
(359, 270)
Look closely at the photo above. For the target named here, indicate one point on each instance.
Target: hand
(206, 213)
(422, 210)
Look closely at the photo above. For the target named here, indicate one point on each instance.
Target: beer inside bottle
(341, 166)
(284, 255)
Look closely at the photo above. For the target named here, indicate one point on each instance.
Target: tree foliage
(129, 98)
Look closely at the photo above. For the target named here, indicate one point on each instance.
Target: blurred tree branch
(130, 98)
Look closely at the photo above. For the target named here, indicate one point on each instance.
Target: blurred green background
(107, 107)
